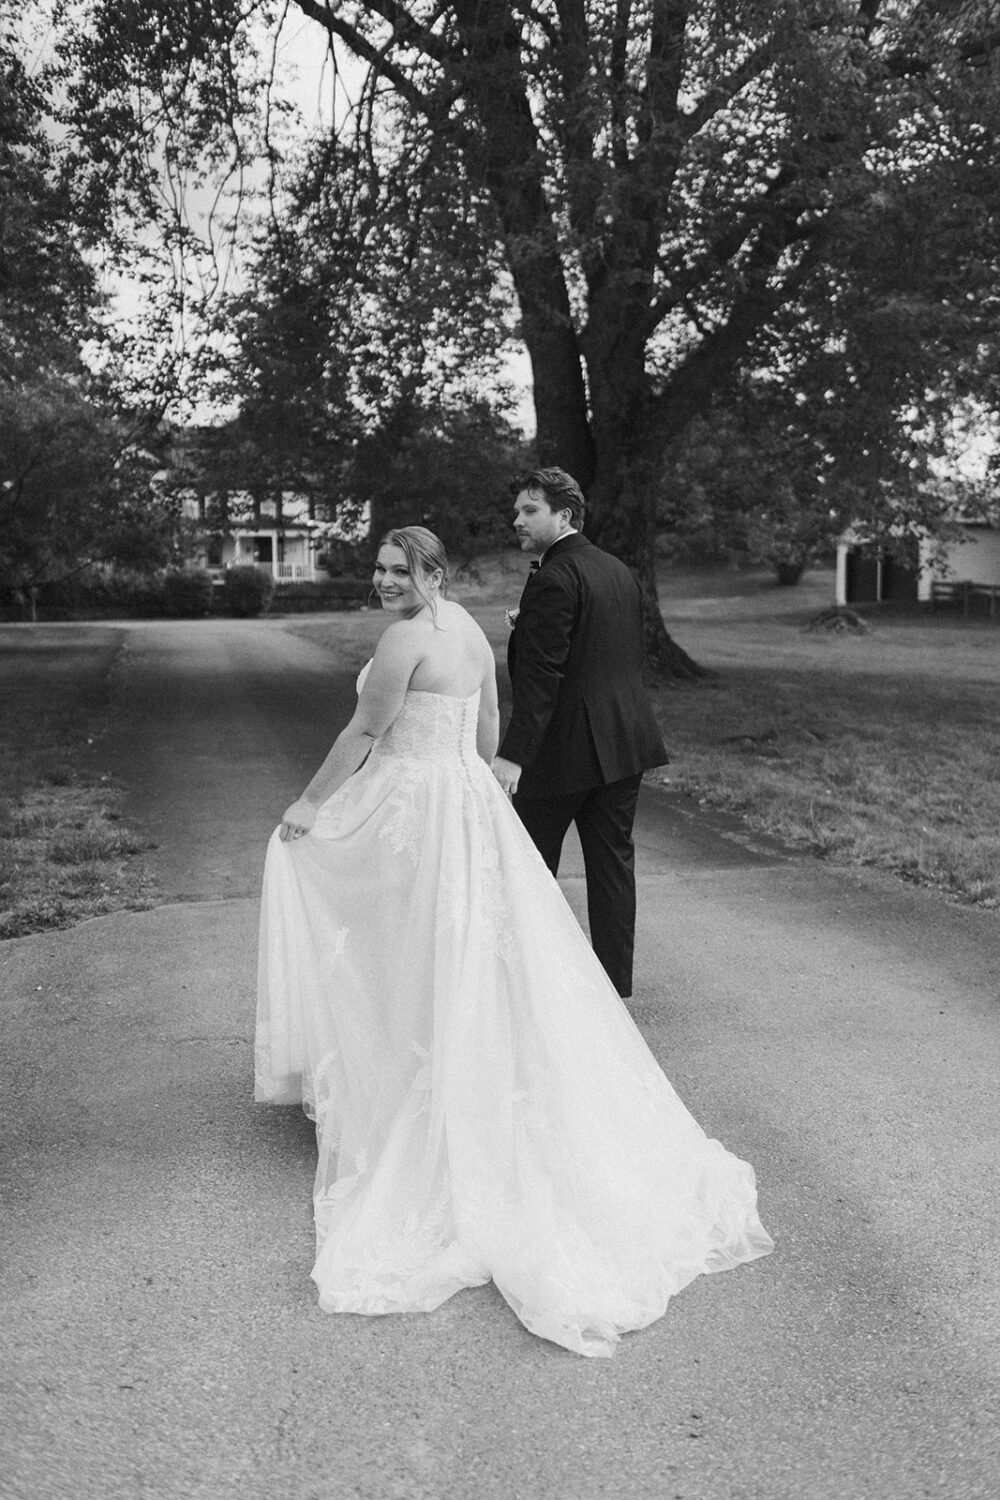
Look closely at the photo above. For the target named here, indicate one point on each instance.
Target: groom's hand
(507, 773)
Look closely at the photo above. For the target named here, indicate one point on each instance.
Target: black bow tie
(533, 567)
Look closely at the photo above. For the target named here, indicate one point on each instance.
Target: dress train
(485, 1106)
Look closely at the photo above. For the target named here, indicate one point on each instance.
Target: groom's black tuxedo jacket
(581, 716)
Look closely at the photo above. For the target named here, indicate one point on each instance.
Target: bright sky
(308, 82)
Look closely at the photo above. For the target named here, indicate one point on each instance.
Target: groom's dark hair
(560, 490)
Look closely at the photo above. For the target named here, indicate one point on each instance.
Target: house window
(213, 552)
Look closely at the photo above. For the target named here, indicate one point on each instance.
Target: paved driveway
(160, 1337)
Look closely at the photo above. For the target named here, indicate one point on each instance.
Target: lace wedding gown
(485, 1107)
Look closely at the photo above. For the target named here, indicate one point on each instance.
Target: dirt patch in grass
(66, 853)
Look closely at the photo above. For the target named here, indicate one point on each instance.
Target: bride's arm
(347, 753)
(382, 697)
(488, 724)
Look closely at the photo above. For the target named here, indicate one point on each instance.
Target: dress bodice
(430, 726)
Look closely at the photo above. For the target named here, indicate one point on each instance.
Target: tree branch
(725, 89)
(657, 157)
(511, 164)
(374, 56)
(659, 109)
(576, 131)
(725, 245)
(618, 74)
(868, 12)
(711, 365)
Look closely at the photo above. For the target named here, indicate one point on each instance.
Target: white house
(969, 567)
(288, 545)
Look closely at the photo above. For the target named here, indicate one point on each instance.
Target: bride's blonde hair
(425, 554)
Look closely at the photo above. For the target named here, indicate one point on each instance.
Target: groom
(582, 730)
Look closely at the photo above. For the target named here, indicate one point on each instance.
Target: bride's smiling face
(395, 585)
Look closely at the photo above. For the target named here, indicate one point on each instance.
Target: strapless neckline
(423, 692)
(451, 697)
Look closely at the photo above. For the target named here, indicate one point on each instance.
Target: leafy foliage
(187, 592)
(247, 590)
(354, 357)
(442, 468)
(74, 476)
(101, 592)
(683, 196)
(74, 486)
(47, 287)
(741, 490)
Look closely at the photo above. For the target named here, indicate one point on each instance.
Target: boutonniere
(510, 615)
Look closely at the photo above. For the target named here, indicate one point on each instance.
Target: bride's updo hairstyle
(424, 553)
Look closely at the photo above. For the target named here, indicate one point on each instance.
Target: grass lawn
(880, 748)
(65, 852)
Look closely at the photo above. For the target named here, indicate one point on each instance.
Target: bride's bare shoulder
(458, 613)
(450, 609)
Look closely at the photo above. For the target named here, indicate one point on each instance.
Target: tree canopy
(365, 351)
(74, 475)
(689, 199)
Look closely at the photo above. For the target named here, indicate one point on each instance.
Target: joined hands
(507, 773)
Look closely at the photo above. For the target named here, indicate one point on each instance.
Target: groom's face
(536, 524)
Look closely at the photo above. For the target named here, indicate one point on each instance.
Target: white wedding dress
(485, 1107)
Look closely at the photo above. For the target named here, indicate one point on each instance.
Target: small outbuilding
(965, 570)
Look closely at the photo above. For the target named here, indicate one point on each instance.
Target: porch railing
(283, 572)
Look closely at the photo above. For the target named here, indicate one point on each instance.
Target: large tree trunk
(622, 500)
(597, 446)
(622, 519)
(615, 463)
(506, 156)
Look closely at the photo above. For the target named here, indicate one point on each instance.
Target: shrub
(346, 559)
(187, 592)
(148, 601)
(327, 594)
(96, 593)
(138, 594)
(247, 591)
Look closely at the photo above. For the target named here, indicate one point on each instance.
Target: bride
(485, 1107)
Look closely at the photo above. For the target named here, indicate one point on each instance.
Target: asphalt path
(160, 1337)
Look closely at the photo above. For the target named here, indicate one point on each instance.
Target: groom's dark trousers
(583, 730)
(603, 816)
